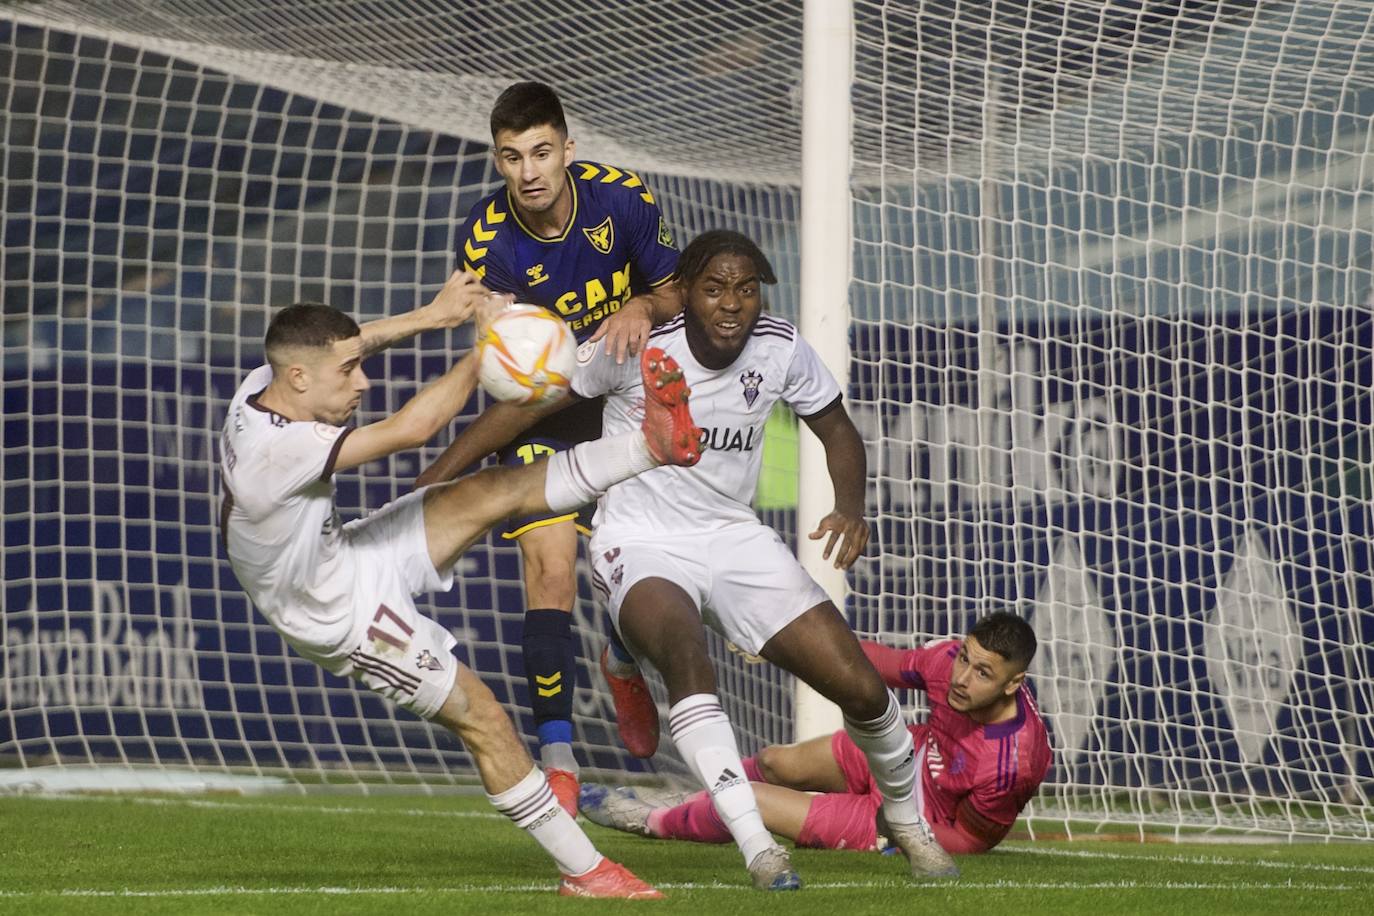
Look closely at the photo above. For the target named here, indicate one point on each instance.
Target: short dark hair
(307, 324)
(706, 246)
(521, 106)
(1007, 635)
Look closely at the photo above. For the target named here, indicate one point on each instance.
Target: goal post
(1097, 277)
(826, 243)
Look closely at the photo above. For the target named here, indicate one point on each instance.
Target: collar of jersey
(572, 217)
(1011, 726)
(252, 401)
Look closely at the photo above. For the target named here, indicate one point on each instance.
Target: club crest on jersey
(602, 237)
(751, 381)
(536, 274)
(665, 235)
(427, 661)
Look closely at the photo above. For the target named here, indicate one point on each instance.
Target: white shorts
(393, 648)
(743, 579)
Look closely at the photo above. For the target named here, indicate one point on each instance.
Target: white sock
(886, 743)
(530, 803)
(706, 741)
(582, 473)
(559, 756)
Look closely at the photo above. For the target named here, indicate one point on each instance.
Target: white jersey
(278, 518)
(731, 404)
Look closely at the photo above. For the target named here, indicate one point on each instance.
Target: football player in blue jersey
(588, 242)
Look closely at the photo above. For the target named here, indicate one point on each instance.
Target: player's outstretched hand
(488, 307)
(848, 533)
(459, 298)
(627, 331)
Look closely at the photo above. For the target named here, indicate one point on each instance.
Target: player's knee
(471, 709)
(553, 579)
(455, 707)
(772, 762)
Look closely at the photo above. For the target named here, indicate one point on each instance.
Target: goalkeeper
(981, 756)
(587, 242)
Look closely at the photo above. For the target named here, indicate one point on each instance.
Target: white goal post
(1098, 280)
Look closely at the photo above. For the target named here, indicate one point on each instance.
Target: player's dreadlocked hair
(307, 324)
(521, 106)
(721, 241)
(1007, 635)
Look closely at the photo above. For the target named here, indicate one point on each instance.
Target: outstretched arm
(453, 305)
(845, 529)
(416, 422)
(427, 412)
(496, 427)
(627, 331)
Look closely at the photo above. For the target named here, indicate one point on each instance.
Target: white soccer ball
(526, 356)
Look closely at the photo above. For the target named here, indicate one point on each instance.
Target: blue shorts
(555, 433)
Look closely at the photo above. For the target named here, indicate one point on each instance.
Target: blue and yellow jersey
(616, 245)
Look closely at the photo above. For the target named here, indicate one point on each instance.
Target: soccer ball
(526, 356)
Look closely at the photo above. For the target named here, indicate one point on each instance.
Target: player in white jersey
(343, 594)
(671, 549)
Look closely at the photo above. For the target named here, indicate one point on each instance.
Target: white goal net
(1110, 322)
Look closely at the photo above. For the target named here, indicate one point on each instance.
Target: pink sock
(695, 819)
(752, 771)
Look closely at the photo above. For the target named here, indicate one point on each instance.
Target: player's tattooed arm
(845, 528)
(453, 305)
(627, 331)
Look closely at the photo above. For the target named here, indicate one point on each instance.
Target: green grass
(313, 854)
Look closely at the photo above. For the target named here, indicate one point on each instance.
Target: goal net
(171, 176)
(1110, 324)
(1112, 333)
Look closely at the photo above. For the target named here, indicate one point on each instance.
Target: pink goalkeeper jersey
(997, 767)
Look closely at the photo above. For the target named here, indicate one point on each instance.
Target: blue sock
(555, 731)
(551, 671)
(619, 652)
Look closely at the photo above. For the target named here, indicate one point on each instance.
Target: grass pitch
(336, 855)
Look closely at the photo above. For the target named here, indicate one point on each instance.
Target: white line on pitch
(550, 886)
(1185, 860)
(263, 806)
